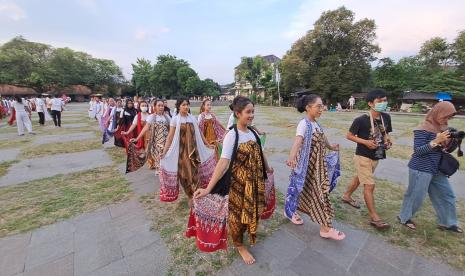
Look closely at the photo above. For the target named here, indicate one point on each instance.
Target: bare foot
(245, 254)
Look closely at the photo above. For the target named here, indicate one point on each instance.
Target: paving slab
(48, 139)
(76, 125)
(39, 168)
(8, 154)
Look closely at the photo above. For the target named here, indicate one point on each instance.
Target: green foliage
(333, 58)
(41, 66)
(361, 105)
(170, 77)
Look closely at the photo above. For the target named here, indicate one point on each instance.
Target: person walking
(57, 106)
(425, 176)
(23, 114)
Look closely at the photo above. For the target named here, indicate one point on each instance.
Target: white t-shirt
(19, 106)
(57, 104)
(206, 117)
(40, 105)
(231, 120)
(184, 119)
(229, 139)
(302, 128)
(156, 118)
(142, 118)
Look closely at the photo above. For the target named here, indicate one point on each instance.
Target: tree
(142, 76)
(43, 67)
(458, 51)
(333, 58)
(435, 52)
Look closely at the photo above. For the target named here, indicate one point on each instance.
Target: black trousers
(56, 115)
(41, 118)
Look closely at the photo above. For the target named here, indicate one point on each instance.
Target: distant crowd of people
(19, 109)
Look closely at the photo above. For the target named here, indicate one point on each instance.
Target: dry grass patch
(16, 142)
(170, 220)
(45, 201)
(59, 148)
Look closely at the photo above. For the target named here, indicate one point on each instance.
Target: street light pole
(278, 78)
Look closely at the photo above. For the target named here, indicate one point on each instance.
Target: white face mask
(144, 109)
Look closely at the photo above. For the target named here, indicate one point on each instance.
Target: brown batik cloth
(189, 160)
(210, 135)
(159, 133)
(314, 198)
(246, 193)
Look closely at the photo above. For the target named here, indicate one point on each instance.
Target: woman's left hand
(335, 147)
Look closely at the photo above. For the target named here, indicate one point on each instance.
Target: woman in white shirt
(155, 131)
(186, 158)
(209, 126)
(23, 114)
(244, 190)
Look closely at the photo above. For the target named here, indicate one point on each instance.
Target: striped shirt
(425, 158)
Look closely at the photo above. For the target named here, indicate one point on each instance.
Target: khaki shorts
(365, 168)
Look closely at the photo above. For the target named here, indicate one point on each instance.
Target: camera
(457, 137)
(456, 134)
(380, 152)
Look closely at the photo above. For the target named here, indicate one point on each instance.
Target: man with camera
(371, 133)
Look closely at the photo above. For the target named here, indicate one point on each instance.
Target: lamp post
(278, 78)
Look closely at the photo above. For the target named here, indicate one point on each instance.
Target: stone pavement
(38, 168)
(113, 240)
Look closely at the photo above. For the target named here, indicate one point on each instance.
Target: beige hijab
(435, 120)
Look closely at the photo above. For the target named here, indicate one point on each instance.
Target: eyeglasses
(319, 106)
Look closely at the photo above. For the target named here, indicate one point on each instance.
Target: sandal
(409, 224)
(333, 234)
(379, 224)
(352, 202)
(453, 228)
(296, 219)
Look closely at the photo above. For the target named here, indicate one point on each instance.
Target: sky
(212, 35)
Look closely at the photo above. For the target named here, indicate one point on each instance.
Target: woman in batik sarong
(109, 120)
(310, 184)
(126, 118)
(137, 125)
(117, 133)
(156, 130)
(245, 166)
(209, 126)
(187, 159)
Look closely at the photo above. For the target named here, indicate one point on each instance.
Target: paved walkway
(113, 240)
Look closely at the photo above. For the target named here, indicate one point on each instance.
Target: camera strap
(373, 124)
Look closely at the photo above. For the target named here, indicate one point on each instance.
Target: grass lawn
(170, 220)
(59, 148)
(4, 166)
(117, 154)
(40, 202)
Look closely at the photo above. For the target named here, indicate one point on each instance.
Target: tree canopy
(170, 77)
(42, 67)
(333, 58)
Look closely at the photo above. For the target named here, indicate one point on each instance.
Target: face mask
(380, 107)
(144, 109)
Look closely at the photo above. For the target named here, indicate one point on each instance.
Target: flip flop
(379, 224)
(409, 224)
(333, 234)
(296, 219)
(352, 202)
(453, 228)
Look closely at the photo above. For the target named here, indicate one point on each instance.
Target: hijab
(436, 119)
(127, 119)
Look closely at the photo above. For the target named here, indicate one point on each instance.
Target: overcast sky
(212, 35)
